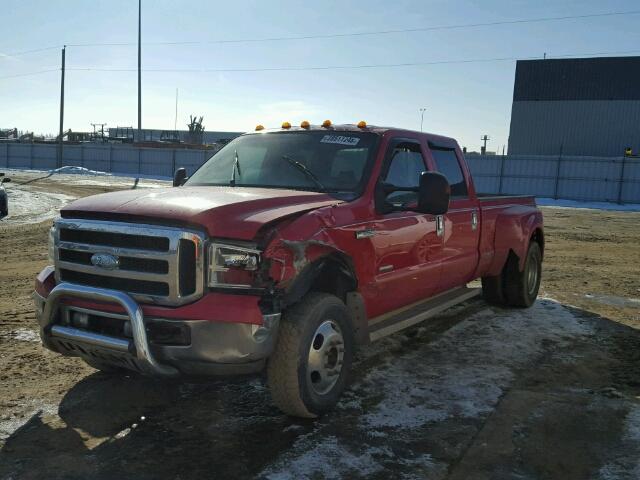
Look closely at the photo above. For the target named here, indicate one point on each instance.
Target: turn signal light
(362, 124)
(305, 124)
(259, 127)
(286, 125)
(326, 123)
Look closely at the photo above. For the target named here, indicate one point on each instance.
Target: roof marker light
(326, 123)
(286, 125)
(259, 127)
(362, 124)
(305, 125)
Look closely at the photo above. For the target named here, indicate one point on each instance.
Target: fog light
(80, 320)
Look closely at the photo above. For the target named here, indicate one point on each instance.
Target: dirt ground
(478, 393)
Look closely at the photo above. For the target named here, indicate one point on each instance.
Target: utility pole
(422, 110)
(139, 70)
(61, 132)
(483, 149)
(175, 121)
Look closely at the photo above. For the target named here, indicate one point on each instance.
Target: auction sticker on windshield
(340, 140)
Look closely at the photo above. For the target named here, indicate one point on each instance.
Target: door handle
(474, 220)
(439, 225)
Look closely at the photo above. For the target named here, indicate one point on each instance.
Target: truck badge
(105, 260)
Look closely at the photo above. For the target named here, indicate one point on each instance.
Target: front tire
(312, 359)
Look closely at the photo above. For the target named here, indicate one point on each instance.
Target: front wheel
(312, 359)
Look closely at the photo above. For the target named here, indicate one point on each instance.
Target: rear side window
(448, 165)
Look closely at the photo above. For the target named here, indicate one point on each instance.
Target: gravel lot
(477, 393)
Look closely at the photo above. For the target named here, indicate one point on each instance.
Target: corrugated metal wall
(579, 127)
(592, 179)
(124, 159)
(579, 106)
(605, 179)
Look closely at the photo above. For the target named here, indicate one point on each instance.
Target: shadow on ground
(482, 392)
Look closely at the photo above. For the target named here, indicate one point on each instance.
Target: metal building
(582, 106)
(153, 134)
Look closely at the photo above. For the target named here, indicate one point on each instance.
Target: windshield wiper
(308, 173)
(236, 166)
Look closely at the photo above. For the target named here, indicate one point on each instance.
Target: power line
(30, 73)
(325, 67)
(27, 52)
(341, 35)
(340, 67)
(374, 32)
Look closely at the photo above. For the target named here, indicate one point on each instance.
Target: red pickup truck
(283, 252)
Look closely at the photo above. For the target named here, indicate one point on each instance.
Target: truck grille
(154, 264)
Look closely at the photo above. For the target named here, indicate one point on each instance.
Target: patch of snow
(31, 206)
(78, 171)
(613, 300)
(327, 459)
(559, 203)
(330, 459)
(9, 425)
(24, 335)
(461, 374)
(467, 369)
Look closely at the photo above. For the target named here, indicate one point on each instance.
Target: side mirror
(179, 177)
(5, 180)
(433, 193)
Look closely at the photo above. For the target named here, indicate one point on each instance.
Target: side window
(448, 165)
(405, 169)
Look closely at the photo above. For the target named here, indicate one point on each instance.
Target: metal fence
(122, 159)
(593, 179)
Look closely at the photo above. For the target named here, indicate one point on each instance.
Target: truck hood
(231, 212)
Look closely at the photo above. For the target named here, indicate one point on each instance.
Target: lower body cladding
(149, 345)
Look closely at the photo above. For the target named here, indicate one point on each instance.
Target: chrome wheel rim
(532, 275)
(326, 354)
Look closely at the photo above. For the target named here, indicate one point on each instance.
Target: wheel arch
(333, 273)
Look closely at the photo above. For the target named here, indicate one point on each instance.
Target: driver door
(407, 244)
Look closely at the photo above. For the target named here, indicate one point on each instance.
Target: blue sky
(462, 100)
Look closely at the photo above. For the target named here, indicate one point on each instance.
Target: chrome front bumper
(216, 347)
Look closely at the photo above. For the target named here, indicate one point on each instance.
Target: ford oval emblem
(105, 260)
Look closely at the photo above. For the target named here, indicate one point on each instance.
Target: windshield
(320, 161)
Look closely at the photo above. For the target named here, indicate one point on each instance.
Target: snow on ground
(83, 176)
(460, 375)
(24, 335)
(78, 171)
(559, 203)
(8, 425)
(30, 206)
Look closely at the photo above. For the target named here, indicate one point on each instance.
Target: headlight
(52, 247)
(232, 266)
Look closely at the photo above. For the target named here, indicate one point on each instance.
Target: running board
(397, 320)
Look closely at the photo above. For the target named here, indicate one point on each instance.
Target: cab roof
(438, 140)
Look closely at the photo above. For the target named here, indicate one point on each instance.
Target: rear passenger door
(461, 225)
